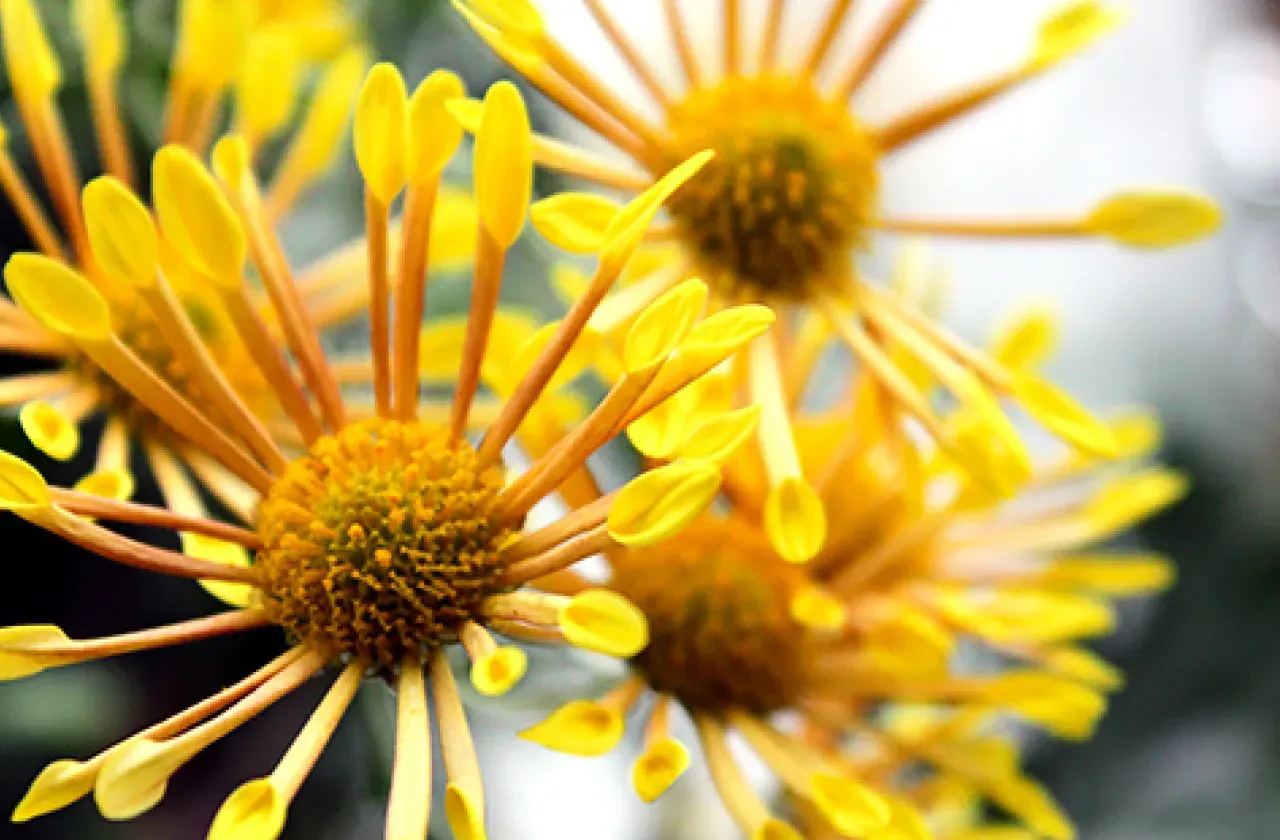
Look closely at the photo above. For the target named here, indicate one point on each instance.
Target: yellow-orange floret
(379, 541)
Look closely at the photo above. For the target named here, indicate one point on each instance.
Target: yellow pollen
(379, 541)
(791, 192)
(721, 634)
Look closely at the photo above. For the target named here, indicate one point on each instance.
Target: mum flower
(388, 539)
(877, 681)
(252, 55)
(792, 198)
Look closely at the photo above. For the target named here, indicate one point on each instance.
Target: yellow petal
(228, 554)
(775, 829)
(498, 672)
(999, 462)
(441, 343)
(794, 520)
(49, 430)
(453, 230)
(212, 41)
(720, 437)
(101, 29)
(434, 134)
(33, 65)
(21, 485)
(659, 432)
(135, 777)
(723, 333)
(58, 297)
(267, 90)
(659, 503)
(578, 359)
(20, 649)
(1031, 804)
(1113, 575)
(1138, 433)
(663, 324)
(575, 222)
(195, 216)
(254, 811)
(518, 17)
(503, 163)
(111, 483)
(1028, 340)
(604, 622)
(1062, 706)
(1017, 616)
(852, 808)
(580, 727)
(464, 813)
(910, 642)
(658, 767)
(58, 785)
(1058, 412)
(569, 283)
(994, 832)
(1129, 499)
(323, 128)
(381, 132)
(817, 609)
(1072, 29)
(1155, 219)
(121, 232)
(1084, 666)
(626, 231)
(905, 823)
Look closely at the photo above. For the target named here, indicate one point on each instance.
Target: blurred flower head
(791, 200)
(380, 536)
(259, 60)
(877, 680)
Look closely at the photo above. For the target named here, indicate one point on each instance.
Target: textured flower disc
(721, 633)
(791, 191)
(379, 541)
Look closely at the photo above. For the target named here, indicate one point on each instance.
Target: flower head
(375, 537)
(792, 199)
(254, 56)
(933, 613)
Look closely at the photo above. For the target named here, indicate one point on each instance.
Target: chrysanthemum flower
(876, 681)
(254, 57)
(389, 539)
(792, 199)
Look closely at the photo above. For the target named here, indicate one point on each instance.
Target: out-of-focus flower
(876, 680)
(792, 199)
(390, 538)
(226, 52)
(320, 28)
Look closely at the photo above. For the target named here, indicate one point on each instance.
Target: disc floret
(721, 631)
(379, 541)
(792, 191)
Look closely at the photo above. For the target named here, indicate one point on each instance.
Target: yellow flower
(792, 200)
(857, 649)
(245, 54)
(379, 541)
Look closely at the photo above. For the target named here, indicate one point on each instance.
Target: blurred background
(1187, 94)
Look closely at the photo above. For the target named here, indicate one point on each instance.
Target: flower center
(136, 327)
(791, 191)
(379, 541)
(721, 635)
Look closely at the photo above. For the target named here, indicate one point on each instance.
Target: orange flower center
(379, 541)
(720, 627)
(791, 192)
